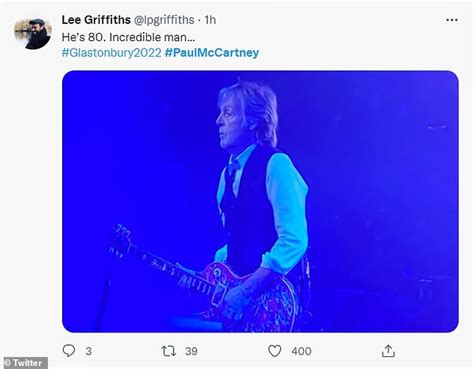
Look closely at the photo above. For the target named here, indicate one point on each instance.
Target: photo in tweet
(260, 201)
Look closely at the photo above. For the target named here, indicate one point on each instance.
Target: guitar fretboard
(194, 281)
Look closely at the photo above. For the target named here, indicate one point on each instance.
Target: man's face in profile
(233, 131)
(35, 28)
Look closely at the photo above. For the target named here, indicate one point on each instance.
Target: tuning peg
(125, 232)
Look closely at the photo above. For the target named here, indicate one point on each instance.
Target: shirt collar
(243, 156)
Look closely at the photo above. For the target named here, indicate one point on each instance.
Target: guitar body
(274, 310)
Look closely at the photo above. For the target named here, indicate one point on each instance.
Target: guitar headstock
(119, 240)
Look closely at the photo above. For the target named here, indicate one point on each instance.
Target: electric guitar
(274, 310)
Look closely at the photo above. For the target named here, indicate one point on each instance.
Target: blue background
(379, 151)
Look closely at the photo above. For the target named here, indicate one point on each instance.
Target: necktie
(228, 200)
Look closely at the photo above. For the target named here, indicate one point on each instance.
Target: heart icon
(274, 350)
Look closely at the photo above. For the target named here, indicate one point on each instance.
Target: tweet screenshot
(236, 184)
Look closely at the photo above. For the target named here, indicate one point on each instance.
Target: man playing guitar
(262, 200)
(261, 196)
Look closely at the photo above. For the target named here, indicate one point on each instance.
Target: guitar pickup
(218, 295)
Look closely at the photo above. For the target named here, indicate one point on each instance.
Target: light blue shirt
(286, 191)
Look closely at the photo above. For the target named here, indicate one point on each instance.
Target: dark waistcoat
(249, 224)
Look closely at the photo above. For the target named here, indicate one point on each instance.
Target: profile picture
(33, 33)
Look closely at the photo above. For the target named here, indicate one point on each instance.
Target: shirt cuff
(221, 255)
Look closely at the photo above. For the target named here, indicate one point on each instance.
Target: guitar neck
(194, 281)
